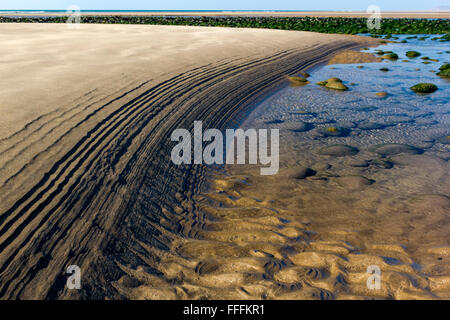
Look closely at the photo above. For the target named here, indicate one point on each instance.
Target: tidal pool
(363, 184)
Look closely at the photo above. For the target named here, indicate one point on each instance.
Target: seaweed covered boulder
(412, 54)
(334, 79)
(333, 83)
(444, 70)
(424, 88)
(390, 56)
(336, 86)
(298, 81)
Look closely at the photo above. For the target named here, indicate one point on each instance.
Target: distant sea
(118, 11)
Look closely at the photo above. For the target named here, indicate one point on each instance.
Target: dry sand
(344, 14)
(85, 171)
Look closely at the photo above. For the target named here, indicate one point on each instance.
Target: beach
(85, 171)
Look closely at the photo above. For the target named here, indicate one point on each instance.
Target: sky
(338, 5)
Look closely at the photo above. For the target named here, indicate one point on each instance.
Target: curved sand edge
(85, 171)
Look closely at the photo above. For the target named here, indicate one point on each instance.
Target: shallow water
(313, 235)
(316, 229)
(407, 117)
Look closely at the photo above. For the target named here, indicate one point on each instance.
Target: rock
(444, 70)
(445, 66)
(424, 88)
(334, 79)
(303, 173)
(336, 86)
(390, 56)
(389, 149)
(384, 69)
(298, 81)
(329, 82)
(412, 54)
(354, 182)
(338, 150)
(444, 139)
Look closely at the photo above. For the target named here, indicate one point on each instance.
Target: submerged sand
(85, 171)
(349, 56)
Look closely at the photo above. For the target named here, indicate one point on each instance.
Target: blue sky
(385, 5)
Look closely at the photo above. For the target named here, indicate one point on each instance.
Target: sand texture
(85, 171)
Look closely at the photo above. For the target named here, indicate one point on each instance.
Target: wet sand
(85, 171)
(333, 211)
(344, 14)
(372, 193)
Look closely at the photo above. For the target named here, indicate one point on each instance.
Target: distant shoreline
(339, 25)
(249, 13)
